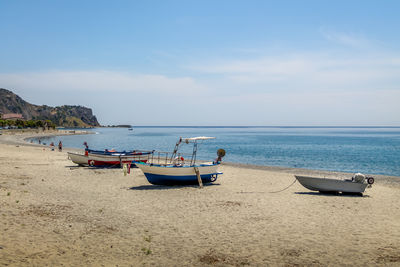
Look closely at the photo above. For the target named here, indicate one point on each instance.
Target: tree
(39, 124)
(19, 123)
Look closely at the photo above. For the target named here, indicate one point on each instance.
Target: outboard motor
(359, 178)
(221, 154)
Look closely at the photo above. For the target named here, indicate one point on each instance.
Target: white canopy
(186, 140)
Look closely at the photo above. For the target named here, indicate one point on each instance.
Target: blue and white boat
(174, 170)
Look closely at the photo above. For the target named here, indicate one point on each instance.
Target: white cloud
(115, 97)
(292, 89)
(346, 39)
(314, 107)
(107, 81)
(313, 88)
(310, 71)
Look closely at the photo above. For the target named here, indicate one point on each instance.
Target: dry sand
(55, 214)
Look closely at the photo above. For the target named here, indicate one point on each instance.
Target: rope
(284, 188)
(272, 191)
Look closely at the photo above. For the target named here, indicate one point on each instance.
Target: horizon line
(251, 126)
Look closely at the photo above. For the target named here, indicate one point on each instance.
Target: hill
(66, 116)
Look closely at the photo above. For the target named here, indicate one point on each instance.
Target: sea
(369, 150)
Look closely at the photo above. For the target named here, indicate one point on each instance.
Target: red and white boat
(109, 160)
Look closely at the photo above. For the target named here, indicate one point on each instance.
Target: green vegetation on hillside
(27, 124)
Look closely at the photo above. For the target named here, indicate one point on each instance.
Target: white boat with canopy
(165, 168)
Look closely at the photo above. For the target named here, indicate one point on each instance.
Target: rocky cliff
(67, 116)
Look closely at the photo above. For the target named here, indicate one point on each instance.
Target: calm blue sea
(372, 150)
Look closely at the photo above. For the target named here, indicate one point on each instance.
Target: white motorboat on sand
(355, 185)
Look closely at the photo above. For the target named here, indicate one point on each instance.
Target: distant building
(12, 116)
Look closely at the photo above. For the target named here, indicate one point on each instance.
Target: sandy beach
(56, 214)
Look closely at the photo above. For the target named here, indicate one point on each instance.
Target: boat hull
(79, 159)
(331, 185)
(98, 160)
(174, 175)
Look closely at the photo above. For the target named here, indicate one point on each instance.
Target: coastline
(21, 137)
(386, 179)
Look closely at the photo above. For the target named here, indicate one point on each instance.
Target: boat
(172, 169)
(109, 152)
(80, 159)
(109, 159)
(356, 185)
(117, 160)
(106, 151)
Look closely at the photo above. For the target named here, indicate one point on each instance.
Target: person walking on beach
(60, 146)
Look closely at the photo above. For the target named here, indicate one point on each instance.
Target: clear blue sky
(207, 62)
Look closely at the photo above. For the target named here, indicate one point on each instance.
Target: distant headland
(16, 111)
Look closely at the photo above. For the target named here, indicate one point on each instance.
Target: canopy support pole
(196, 170)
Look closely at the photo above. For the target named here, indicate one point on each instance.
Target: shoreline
(21, 139)
(394, 180)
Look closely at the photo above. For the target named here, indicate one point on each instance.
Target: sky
(207, 63)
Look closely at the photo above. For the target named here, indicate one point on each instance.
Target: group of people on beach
(52, 146)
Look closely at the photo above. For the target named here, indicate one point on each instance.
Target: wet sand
(54, 213)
